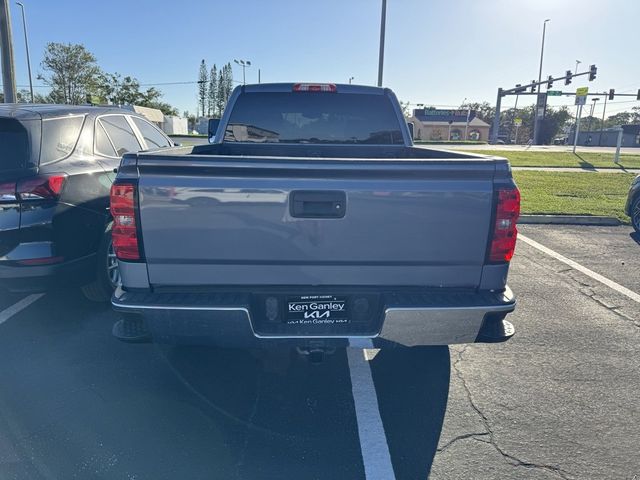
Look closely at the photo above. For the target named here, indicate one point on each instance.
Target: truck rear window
(313, 118)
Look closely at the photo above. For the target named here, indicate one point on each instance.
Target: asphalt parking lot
(559, 400)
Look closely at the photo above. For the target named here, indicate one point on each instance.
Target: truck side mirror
(213, 127)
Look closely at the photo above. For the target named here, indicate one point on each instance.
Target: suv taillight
(124, 233)
(41, 187)
(503, 238)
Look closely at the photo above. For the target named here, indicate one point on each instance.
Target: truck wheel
(635, 214)
(107, 272)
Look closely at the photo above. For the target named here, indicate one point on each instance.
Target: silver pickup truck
(311, 220)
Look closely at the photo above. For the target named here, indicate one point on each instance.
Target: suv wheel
(635, 214)
(107, 274)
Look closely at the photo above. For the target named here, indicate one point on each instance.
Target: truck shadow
(286, 418)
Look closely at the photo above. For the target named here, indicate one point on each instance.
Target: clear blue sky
(438, 52)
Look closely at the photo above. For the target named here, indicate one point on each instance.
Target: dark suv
(633, 204)
(56, 168)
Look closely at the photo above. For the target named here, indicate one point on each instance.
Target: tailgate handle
(317, 204)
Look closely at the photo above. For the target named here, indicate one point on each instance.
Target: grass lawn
(574, 193)
(564, 159)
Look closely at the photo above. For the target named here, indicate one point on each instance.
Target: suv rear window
(16, 144)
(59, 137)
(313, 118)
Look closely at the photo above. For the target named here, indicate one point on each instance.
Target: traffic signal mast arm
(522, 88)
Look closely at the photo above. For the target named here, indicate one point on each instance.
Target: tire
(635, 214)
(107, 274)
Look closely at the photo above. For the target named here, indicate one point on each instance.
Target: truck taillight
(124, 233)
(315, 87)
(503, 239)
(8, 192)
(41, 187)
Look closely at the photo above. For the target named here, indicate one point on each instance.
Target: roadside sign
(541, 105)
(554, 93)
(517, 122)
(581, 95)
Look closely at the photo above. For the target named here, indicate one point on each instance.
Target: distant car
(57, 164)
(633, 204)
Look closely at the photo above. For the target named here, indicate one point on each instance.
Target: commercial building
(430, 124)
(609, 137)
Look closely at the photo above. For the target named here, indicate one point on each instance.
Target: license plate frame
(320, 309)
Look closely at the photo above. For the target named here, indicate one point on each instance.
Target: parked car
(633, 204)
(312, 221)
(56, 168)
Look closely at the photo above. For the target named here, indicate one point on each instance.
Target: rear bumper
(39, 278)
(408, 319)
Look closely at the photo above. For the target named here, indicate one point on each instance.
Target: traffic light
(533, 86)
(550, 81)
(568, 76)
(612, 93)
(592, 72)
(638, 96)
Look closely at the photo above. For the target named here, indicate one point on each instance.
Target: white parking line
(373, 441)
(575, 265)
(9, 312)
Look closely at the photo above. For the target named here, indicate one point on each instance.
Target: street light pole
(604, 109)
(26, 44)
(383, 21)
(544, 31)
(536, 117)
(593, 108)
(578, 62)
(350, 79)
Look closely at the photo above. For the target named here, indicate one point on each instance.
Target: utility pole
(26, 44)
(466, 126)
(6, 47)
(383, 21)
(258, 75)
(536, 121)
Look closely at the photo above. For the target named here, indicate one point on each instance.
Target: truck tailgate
(235, 221)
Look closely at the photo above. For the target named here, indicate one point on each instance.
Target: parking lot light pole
(244, 64)
(26, 44)
(383, 21)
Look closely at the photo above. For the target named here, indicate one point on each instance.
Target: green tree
(212, 93)
(71, 71)
(222, 89)
(203, 85)
(554, 122)
(406, 110)
(115, 89)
